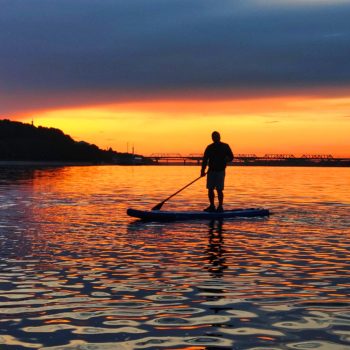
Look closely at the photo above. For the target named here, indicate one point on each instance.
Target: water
(77, 273)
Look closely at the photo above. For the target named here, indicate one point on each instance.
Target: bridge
(253, 159)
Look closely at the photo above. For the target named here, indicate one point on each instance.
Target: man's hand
(203, 172)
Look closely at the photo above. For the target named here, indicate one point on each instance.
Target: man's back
(217, 155)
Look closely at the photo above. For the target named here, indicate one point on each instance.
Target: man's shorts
(215, 180)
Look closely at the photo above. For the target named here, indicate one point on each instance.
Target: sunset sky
(273, 76)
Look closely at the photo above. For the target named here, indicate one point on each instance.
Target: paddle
(159, 205)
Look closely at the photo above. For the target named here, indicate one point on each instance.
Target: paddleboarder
(216, 156)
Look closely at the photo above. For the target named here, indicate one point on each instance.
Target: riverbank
(9, 163)
(147, 161)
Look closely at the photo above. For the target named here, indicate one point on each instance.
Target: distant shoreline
(41, 163)
(33, 163)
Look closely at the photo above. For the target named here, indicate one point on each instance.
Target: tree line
(20, 141)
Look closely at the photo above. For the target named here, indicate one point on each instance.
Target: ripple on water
(77, 273)
(190, 321)
(166, 297)
(147, 343)
(83, 330)
(317, 345)
(13, 341)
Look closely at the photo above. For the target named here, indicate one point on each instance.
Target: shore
(41, 163)
(274, 163)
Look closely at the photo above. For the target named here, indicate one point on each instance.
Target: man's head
(215, 136)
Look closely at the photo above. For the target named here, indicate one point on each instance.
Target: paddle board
(160, 215)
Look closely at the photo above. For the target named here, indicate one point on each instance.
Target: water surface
(77, 273)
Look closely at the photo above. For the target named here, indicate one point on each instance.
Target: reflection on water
(215, 249)
(77, 273)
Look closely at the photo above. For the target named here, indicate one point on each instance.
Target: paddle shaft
(159, 205)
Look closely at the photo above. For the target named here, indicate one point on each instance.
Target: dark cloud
(61, 47)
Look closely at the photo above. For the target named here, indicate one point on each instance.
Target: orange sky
(272, 76)
(297, 124)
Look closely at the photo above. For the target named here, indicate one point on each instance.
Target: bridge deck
(253, 159)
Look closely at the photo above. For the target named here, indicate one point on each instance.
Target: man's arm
(204, 161)
(229, 154)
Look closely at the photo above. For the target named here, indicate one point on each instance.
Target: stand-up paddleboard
(158, 215)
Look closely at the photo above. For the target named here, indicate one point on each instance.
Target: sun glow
(292, 124)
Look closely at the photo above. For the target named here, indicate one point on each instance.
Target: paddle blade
(158, 206)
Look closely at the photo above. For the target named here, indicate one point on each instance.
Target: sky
(158, 76)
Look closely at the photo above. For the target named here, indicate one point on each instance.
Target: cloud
(284, 3)
(112, 48)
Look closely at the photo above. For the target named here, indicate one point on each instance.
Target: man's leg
(220, 190)
(211, 196)
(220, 197)
(221, 200)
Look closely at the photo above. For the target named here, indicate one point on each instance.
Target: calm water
(77, 273)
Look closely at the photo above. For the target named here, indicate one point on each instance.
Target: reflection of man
(216, 156)
(216, 253)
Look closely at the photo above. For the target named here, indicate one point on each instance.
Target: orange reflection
(57, 321)
(91, 264)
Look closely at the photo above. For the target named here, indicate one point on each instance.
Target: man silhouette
(216, 157)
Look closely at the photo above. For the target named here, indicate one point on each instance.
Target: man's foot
(210, 209)
(220, 209)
